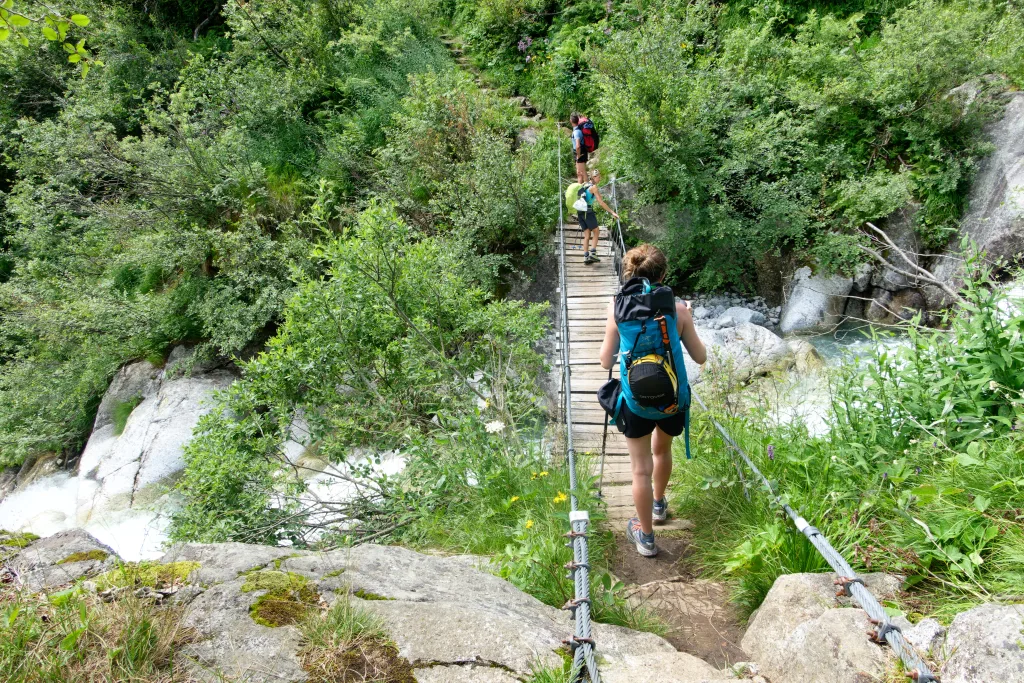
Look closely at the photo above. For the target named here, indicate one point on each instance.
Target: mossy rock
(16, 539)
(152, 574)
(367, 595)
(287, 600)
(85, 556)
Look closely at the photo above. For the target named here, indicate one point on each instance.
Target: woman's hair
(644, 260)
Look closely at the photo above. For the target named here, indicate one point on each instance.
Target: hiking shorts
(587, 219)
(582, 158)
(633, 426)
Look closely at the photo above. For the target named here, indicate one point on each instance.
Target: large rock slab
(449, 619)
(803, 633)
(995, 206)
(122, 471)
(815, 303)
(985, 644)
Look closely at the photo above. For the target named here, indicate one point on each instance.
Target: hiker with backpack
(585, 141)
(580, 198)
(650, 402)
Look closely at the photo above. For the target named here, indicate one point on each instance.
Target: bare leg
(581, 172)
(640, 460)
(662, 447)
(586, 241)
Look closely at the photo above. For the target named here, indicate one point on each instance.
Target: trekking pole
(604, 444)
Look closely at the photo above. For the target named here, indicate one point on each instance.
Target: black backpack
(591, 140)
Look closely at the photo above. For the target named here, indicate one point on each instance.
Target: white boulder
(815, 303)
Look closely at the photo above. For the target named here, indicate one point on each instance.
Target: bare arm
(688, 333)
(600, 200)
(610, 345)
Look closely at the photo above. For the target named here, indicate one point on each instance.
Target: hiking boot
(594, 256)
(587, 260)
(660, 511)
(644, 542)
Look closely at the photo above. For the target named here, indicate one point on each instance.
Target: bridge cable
(582, 641)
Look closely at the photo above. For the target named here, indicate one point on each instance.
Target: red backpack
(591, 139)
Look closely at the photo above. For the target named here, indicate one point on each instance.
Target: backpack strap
(618, 409)
(686, 432)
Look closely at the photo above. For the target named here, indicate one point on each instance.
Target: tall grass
(73, 636)
(921, 475)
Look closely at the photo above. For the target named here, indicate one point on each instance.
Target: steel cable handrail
(582, 642)
(916, 667)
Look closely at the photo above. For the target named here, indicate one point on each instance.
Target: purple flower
(885, 475)
(525, 44)
(917, 470)
(771, 452)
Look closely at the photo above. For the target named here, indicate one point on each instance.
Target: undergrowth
(921, 475)
(348, 643)
(74, 636)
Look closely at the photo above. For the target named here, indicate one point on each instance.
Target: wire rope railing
(582, 641)
(852, 586)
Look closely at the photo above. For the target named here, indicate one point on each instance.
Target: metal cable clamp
(846, 582)
(878, 634)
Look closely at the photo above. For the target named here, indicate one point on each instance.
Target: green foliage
(395, 329)
(920, 475)
(121, 411)
(74, 636)
(766, 127)
(166, 198)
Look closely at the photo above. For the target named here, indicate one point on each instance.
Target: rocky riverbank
(453, 621)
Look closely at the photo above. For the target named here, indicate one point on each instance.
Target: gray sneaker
(660, 511)
(594, 256)
(587, 260)
(644, 542)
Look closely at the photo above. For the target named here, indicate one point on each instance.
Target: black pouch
(610, 398)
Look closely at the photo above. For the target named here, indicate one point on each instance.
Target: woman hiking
(590, 193)
(648, 329)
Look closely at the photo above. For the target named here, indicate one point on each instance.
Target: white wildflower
(494, 427)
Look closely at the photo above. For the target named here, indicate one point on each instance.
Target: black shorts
(587, 220)
(583, 158)
(633, 426)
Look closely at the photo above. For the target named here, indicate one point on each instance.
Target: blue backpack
(651, 363)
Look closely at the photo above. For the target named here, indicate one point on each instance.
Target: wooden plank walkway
(590, 289)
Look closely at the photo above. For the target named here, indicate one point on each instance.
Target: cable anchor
(884, 627)
(845, 582)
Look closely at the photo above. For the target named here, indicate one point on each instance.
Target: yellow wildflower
(543, 474)
(529, 524)
(561, 497)
(513, 499)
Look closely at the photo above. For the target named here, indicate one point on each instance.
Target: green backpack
(573, 193)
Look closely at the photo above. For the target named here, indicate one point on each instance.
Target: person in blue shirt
(579, 150)
(588, 219)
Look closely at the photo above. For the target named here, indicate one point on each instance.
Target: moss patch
(150, 574)
(336, 572)
(16, 539)
(287, 599)
(367, 595)
(85, 556)
(364, 659)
